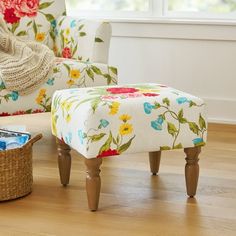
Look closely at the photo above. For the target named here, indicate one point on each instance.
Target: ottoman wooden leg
(64, 161)
(154, 161)
(93, 182)
(192, 170)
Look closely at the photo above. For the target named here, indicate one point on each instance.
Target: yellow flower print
(114, 108)
(68, 105)
(39, 100)
(125, 117)
(70, 82)
(66, 40)
(42, 94)
(40, 37)
(63, 104)
(68, 118)
(74, 74)
(67, 31)
(126, 129)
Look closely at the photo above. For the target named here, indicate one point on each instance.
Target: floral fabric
(85, 41)
(66, 74)
(82, 39)
(111, 120)
(32, 19)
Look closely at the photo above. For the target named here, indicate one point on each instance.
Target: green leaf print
(191, 104)
(29, 23)
(106, 146)
(22, 33)
(94, 104)
(166, 101)
(157, 105)
(178, 146)
(96, 137)
(96, 70)
(193, 127)
(49, 17)
(82, 34)
(114, 141)
(165, 148)
(90, 73)
(181, 114)
(15, 26)
(67, 67)
(74, 50)
(183, 121)
(81, 27)
(98, 40)
(113, 70)
(35, 28)
(171, 128)
(108, 77)
(45, 5)
(125, 146)
(202, 122)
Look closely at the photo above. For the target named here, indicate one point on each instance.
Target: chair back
(32, 19)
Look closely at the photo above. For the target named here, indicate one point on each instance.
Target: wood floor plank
(132, 202)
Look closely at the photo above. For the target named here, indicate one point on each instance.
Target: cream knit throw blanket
(24, 65)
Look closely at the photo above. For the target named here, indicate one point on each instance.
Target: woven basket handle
(35, 139)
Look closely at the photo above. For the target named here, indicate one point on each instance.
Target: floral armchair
(81, 47)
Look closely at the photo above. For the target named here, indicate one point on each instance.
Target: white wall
(199, 59)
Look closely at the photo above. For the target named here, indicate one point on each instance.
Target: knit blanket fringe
(24, 64)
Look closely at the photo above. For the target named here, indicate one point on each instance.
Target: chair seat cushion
(111, 120)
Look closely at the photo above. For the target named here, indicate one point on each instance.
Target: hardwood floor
(132, 201)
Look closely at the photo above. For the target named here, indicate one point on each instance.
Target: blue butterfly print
(14, 95)
(103, 123)
(73, 23)
(50, 82)
(182, 100)
(197, 141)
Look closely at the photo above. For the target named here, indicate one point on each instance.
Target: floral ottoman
(112, 120)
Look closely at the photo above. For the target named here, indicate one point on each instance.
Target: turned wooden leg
(154, 161)
(93, 182)
(192, 170)
(64, 161)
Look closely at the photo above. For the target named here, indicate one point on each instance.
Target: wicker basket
(16, 175)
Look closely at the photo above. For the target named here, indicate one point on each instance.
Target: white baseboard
(221, 110)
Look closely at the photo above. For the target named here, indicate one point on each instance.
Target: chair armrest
(85, 40)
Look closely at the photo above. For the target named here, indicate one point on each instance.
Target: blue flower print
(68, 138)
(73, 23)
(14, 95)
(81, 136)
(103, 123)
(50, 82)
(54, 23)
(182, 100)
(157, 124)
(148, 107)
(197, 141)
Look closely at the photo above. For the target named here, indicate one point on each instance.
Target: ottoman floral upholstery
(111, 120)
(107, 121)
